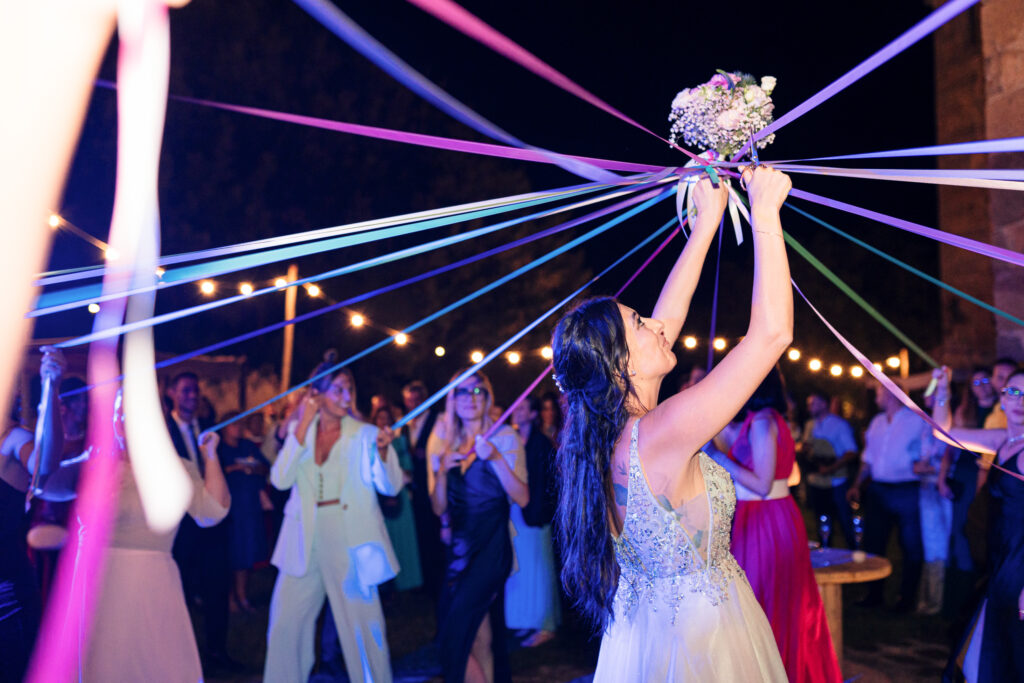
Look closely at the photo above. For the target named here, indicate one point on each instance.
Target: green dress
(401, 526)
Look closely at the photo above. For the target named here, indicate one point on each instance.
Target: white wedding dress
(141, 630)
(680, 616)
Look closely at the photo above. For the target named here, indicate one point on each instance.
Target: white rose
(729, 119)
(768, 84)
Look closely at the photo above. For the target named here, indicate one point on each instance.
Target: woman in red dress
(769, 540)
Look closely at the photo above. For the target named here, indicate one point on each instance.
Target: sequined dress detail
(678, 615)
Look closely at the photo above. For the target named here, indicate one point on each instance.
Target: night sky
(227, 178)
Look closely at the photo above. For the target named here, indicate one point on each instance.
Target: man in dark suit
(428, 526)
(201, 554)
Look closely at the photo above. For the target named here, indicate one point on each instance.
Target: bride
(644, 516)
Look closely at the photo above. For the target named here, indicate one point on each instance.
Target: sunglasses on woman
(1013, 392)
(475, 391)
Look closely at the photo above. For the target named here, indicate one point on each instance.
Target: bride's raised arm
(689, 419)
(674, 300)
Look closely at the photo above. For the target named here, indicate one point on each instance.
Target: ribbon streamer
(441, 393)
(977, 147)
(344, 270)
(858, 299)
(891, 386)
(997, 179)
(460, 19)
(464, 300)
(908, 267)
(342, 26)
(53, 302)
(916, 228)
(925, 27)
(381, 290)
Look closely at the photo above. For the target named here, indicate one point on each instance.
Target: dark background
(227, 178)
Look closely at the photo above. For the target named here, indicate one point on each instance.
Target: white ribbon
(685, 195)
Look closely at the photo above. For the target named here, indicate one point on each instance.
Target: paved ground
(880, 646)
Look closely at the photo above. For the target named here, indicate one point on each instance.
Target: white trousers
(297, 601)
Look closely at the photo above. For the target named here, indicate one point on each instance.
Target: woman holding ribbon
(472, 477)
(769, 540)
(993, 647)
(643, 515)
(333, 541)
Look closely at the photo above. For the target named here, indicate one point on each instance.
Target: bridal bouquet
(722, 114)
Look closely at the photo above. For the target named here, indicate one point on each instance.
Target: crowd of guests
(348, 509)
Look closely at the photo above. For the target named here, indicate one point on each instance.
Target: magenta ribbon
(891, 386)
(460, 19)
(915, 33)
(533, 385)
(334, 20)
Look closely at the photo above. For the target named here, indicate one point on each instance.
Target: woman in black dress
(472, 479)
(994, 646)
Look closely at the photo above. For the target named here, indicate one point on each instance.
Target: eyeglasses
(1013, 392)
(475, 391)
(980, 381)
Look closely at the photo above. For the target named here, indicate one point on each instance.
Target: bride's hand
(710, 202)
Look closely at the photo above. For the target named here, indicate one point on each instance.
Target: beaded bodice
(658, 563)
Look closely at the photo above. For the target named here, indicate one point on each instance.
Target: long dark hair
(590, 363)
(771, 393)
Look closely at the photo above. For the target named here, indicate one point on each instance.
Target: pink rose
(719, 81)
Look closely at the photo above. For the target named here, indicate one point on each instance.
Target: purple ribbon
(891, 386)
(714, 299)
(978, 147)
(915, 33)
(340, 25)
(916, 228)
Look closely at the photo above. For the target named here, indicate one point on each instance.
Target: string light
(314, 291)
(893, 362)
(207, 287)
(401, 339)
(513, 357)
(159, 271)
(814, 365)
(794, 354)
(690, 342)
(357, 320)
(878, 366)
(476, 356)
(546, 353)
(835, 370)
(719, 344)
(439, 351)
(280, 282)
(856, 371)
(245, 288)
(111, 254)
(54, 221)
(94, 308)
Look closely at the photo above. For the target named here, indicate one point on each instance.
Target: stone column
(979, 94)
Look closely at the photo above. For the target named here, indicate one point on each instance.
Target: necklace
(1014, 439)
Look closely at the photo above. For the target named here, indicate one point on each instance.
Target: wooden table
(834, 567)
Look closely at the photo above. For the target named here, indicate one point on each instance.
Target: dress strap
(634, 440)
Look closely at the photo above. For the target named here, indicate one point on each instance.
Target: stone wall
(979, 94)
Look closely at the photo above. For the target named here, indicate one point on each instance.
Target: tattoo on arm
(621, 494)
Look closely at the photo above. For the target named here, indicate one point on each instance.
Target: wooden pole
(289, 331)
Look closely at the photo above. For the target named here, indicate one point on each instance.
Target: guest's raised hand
(208, 442)
(385, 436)
(485, 450)
(449, 460)
(52, 365)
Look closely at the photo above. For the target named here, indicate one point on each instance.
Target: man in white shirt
(890, 489)
(830, 450)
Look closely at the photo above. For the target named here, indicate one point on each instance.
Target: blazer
(365, 541)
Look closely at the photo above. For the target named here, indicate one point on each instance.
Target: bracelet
(768, 232)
